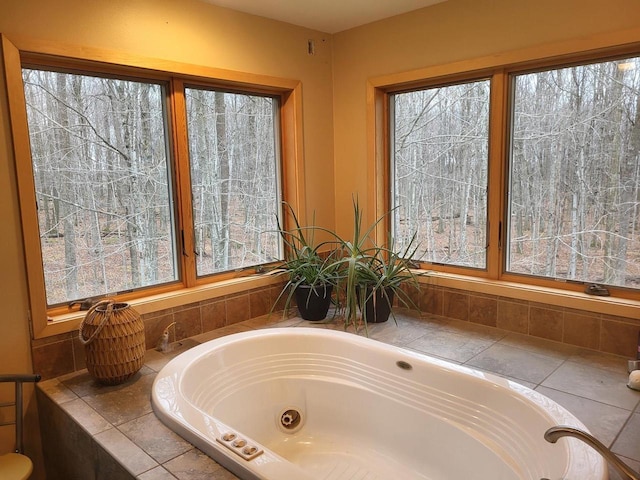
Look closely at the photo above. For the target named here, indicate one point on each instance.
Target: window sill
(615, 306)
(69, 322)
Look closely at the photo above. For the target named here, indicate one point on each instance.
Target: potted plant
(372, 276)
(382, 281)
(311, 271)
(368, 277)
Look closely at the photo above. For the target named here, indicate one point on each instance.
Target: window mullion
(498, 118)
(183, 183)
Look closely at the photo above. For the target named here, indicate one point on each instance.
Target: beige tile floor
(591, 385)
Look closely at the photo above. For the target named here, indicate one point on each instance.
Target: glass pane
(102, 185)
(440, 165)
(234, 179)
(575, 174)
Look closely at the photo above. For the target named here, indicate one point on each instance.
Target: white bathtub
(367, 411)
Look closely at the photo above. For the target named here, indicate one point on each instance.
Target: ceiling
(329, 16)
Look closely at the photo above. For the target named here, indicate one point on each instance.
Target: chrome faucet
(554, 433)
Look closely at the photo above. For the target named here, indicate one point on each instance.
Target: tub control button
(239, 446)
(249, 450)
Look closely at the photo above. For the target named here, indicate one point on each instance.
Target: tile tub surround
(97, 432)
(62, 354)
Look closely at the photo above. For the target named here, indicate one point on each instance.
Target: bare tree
(102, 184)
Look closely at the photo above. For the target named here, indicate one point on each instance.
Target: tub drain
(290, 420)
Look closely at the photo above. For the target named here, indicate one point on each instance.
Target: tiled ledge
(96, 432)
(561, 321)
(62, 354)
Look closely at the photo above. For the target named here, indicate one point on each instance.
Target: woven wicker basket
(113, 339)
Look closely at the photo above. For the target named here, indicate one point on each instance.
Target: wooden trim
(498, 68)
(569, 286)
(378, 132)
(292, 152)
(73, 56)
(576, 50)
(19, 51)
(496, 209)
(26, 186)
(154, 302)
(378, 174)
(182, 172)
(59, 312)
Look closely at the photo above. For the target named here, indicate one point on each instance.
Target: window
(574, 190)
(530, 176)
(142, 183)
(439, 172)
(234, 178)
(102, 168)
(100, 163)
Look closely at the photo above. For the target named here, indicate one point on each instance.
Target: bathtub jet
(310, 404)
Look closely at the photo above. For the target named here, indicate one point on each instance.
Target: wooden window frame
(437, 83)
(499, 68)
(18, 52)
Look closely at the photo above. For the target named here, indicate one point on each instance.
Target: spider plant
(368, 272)
(387, 272)
(307, 264)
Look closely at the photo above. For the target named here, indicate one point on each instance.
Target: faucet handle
(554, 433)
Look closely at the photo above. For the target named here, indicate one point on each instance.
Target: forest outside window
(439, 172)
(529, 177)
(235, 189)
(101, 169)
(109, 216)
(574, 189)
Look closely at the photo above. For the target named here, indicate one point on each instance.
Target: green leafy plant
(361, 270)
(370, 272)
(387, 272)
(306, 263)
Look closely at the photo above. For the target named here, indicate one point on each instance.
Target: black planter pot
(377, 307)
(313, 303)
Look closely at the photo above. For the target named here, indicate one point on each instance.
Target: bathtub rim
(583, 462)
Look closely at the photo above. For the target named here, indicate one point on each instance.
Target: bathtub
(308, 403)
